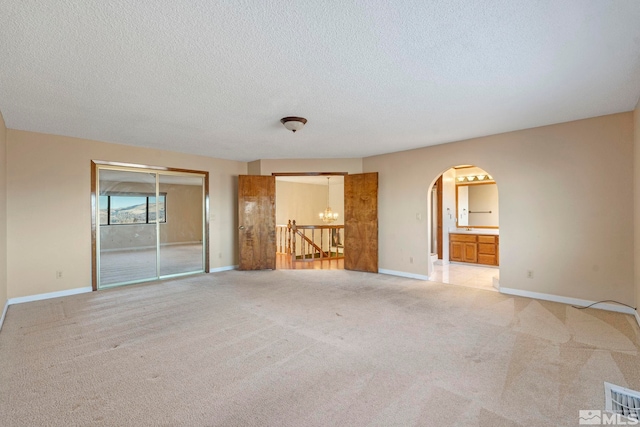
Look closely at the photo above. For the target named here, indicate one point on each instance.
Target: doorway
(306, 199)
(464, 227)
(147, 223)
(257, 228)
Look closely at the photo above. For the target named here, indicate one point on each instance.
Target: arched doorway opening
(464, 228)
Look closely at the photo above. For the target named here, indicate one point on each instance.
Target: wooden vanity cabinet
(474, 248)
(488, 250)
(463, 248)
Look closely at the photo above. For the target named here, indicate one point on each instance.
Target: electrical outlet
(529, 274)
(410, 260)
(59, 274)
(219, 254)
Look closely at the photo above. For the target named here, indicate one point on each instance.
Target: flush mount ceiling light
(293, 123)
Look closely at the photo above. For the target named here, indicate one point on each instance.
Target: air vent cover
(620, 400)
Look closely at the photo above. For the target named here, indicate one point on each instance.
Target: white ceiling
(214, 77)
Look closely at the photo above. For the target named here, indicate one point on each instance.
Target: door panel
(455, 251)
(181, 224)
(127, 237)
(257, 222)
(361, 222)
(470, 252)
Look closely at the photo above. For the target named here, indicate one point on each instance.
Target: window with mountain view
(131, 209)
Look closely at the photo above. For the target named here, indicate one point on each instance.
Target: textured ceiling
(372, 77)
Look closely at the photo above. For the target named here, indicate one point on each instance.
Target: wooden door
(439, 216)
(257, 222)
(361, 222)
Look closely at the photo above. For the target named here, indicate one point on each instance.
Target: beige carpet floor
(308, 348)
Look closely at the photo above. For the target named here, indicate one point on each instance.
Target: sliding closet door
(148, 223)
(181, 217)
(128, 236)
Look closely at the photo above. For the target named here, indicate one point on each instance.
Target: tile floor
(466, 275)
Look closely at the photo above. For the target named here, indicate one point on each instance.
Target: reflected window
(161, 210)
(131, 209)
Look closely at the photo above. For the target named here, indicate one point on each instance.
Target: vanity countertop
(489, 231)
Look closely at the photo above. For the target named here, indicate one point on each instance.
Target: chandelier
(328, 216)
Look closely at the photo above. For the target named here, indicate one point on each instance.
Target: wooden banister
(312, 243)
(311, 248)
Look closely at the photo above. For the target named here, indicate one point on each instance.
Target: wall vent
(620, 400)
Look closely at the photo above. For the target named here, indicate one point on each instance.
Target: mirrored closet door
(149, 225)
(181, 231)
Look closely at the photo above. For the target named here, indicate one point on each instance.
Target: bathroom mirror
(477, 205)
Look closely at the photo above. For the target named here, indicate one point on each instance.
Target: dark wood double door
(257, 222)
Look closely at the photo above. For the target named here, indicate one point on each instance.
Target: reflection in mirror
(127, 236)
(181, 235)
(151, 225)
(477, 205)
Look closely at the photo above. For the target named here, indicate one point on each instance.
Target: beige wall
(304, 202)
(484, 198)
(299, 201)
(269, 166)
(253, 168)
(336, 200)
(566, 205)
(49, 216)
(3, 214)
(636, 193)
(184, 214)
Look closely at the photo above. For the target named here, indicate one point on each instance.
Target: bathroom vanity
(480, 246)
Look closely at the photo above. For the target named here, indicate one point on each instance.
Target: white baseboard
(4, 313)
(403, 274)
(567, 300)
(225, 268)
(38, 297)
(637, 317)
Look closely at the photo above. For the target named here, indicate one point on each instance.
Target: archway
(464, 234)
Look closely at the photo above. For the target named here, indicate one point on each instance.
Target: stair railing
(310, 242)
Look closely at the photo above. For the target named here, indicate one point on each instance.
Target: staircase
(310, 242)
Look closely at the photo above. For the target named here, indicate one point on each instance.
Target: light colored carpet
(308, 348)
